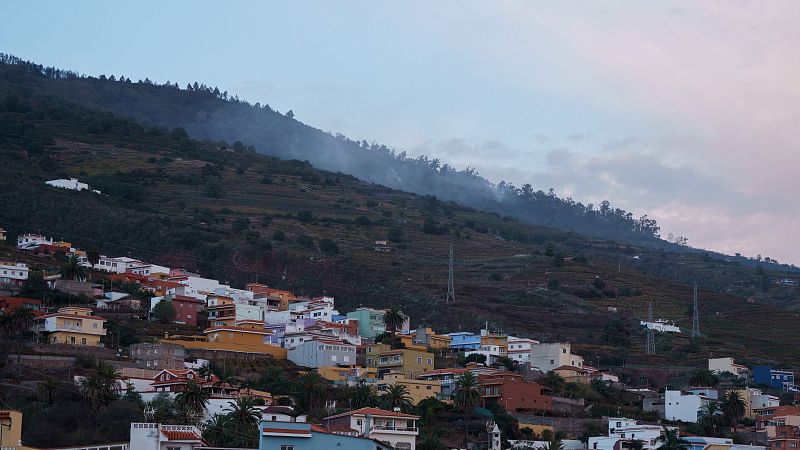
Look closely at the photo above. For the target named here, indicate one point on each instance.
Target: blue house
(465, 340)
(305, 436)
(776, 378)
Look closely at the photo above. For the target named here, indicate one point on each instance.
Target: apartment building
(392, 427)
(514, 394)
(410, 363)
(71, 325)
(418, 389)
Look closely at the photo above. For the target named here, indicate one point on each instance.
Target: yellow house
(497, 340)
(347, 374)
(71, 325)
(409, 362)
(439, 340)
(418, 390)
(408, 342)
(245, 339)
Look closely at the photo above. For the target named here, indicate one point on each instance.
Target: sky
(686, 111)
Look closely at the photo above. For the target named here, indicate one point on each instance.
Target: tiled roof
(375, 412)
(181, 435)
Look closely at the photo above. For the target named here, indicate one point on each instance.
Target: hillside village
(202, 364)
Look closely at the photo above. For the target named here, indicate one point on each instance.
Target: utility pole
(695, 315)
(651, 342)
(451, 292)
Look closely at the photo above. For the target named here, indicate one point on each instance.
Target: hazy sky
(689, 111)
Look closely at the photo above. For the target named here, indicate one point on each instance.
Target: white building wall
(679, 406)
(13, 272)
(71, 184)
(547, 357)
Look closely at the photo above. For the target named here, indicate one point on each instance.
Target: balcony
(393, 429)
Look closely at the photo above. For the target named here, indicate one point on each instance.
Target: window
(419, 359)
(429, 361)
(333, 358)
(83, 341)
(72, 339)
(173, 448)
(563, 350)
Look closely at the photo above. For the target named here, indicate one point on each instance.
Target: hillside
(206, 113)
(238, 216)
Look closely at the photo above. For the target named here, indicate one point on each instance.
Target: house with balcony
(755, 399)
(465, 341)
(510, 391)
(783, 437)
(447, 379)
(775, 378)
(13, 273)
(71, 325)
(176, 380)
(306, 436)
(394, 428)
(772, 415)
(624, 433)
(410, 363)
(227, 313)
(370, 321)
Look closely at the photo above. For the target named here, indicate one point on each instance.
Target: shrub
(328, 246)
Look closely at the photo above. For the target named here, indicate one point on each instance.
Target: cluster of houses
(354, 348)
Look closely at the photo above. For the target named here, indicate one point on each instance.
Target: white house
(29, 241)
(548, 357)
(393, 427)
(722, 365)
(519, 349)
(684, 406)
(624, 430)
(13, 273)
(148, 269)
(154, 436)
(116, 265)
(71, 184)
(661, 326)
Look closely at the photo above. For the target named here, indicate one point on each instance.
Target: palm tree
(670, 440)
(397, 396)
(709, 416)
(704, 377)
(733, 406)
(364, 395)
(191, 402)
(101, 385)
(555, 444)
(48, 388)
(466, 396)
(243, 417)
(72, 269)
(393, 319)
(215, 430)
(313, 389)
(22, 319)
(554, 381)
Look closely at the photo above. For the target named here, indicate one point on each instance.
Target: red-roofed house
(165, 437)
(176, 381)
(393, 427)
(11, 303)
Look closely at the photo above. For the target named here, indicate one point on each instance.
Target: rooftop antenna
(451, 293)
(695, 315)
(651, 342)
